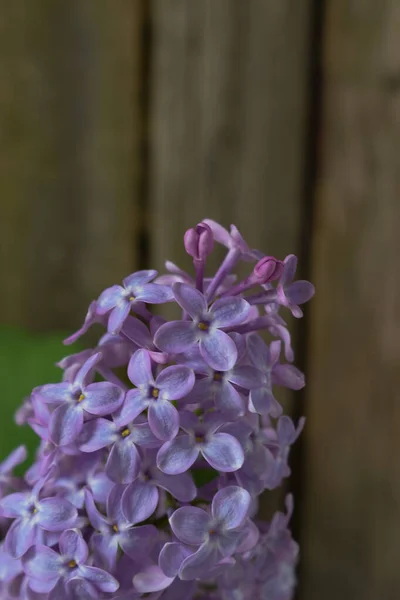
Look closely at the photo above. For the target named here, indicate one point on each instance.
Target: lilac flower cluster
(158, 442)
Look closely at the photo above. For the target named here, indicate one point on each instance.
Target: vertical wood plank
(68, 149)
(228, 122)
(351, 525)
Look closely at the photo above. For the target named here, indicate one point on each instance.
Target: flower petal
(163, 419)
(288, 376)
(177, 456)
(284, 334)
(56, 514)
(134, 404)
(247, 377)
(154, 293)
(114, 508)
(123, 462)
(229, 541)
(230, 311)
(105, 549)
(251, 537)
(191, 300)
(259, 352)
(72, 545)
(118, 316)
(139, 278)
(223, 452)
(97, 434)
(97, 520)
(199, 563)
(180, 486)
(287, 432)
(15, 505)
(137, 542)
(300, 292)
(175, 382)
(139, 368)
(100, 579)
(229, 401)
(66, 423)
(230, 506)
(20, 537)
(139, 501)
(54, 393)
(101, 486)
(42, 563)
(84, 373)
(142, 435)
(289, 270)
(92, 316)
(176, 336)
(152, 579)
(14, 459)
(109, 298)
(137, 332)
(190, 524)
(171, 558)
(264, 402)
(78, 589)
(218, 350)
(102, 398)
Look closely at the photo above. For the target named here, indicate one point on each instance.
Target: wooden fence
(123, 122)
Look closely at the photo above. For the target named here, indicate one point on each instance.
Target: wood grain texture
(351, 516)
(228, 124)
(228, 120)
(68, 149)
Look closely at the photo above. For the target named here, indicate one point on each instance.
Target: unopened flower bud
(268, 269)
(199, 242)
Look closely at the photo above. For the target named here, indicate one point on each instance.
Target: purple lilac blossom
(205, 328)
(222, 451)
(159, 440)
(156, 394)
(136, 289)
(53, 572)
(74, 399)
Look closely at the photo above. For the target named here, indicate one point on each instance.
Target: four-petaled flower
(115, 530)
(221, 386)
(221, 450)
(156, 394)
(136, 289)
(217, 348)
(218, 534)
(55, 573)
(289, 293)
(150, 479)
(123, 434)
(34, 515)
(77, 397)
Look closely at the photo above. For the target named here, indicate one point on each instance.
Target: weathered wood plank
(228, 122)
(69, 142)
(352, 483)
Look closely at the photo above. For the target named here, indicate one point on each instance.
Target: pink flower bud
(268, 269)
(199, 242)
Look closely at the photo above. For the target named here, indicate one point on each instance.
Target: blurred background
(124, 122)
